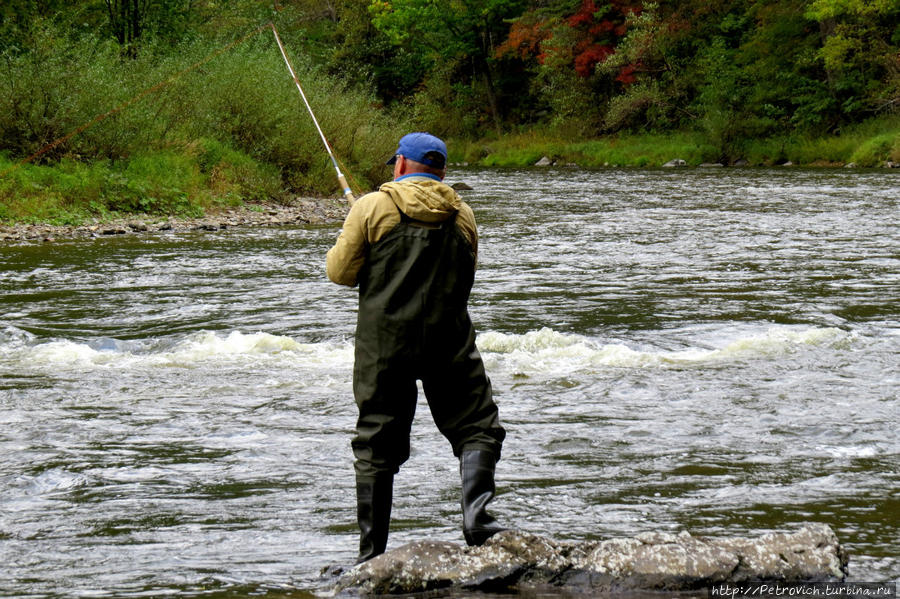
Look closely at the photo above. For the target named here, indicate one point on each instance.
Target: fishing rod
(340, 176)
(57, 142)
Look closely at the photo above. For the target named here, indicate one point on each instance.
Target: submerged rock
(517, 560)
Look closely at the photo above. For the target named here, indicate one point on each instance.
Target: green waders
(413, 324)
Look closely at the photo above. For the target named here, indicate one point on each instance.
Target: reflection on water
(709, 351)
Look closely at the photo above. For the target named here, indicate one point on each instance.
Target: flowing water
(706, 350)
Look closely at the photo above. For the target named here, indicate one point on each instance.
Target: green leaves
(821, 10)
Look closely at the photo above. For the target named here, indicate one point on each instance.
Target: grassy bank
(189, 179)
(183, 182)
(233, 130)
(237, 133)
(870, 144)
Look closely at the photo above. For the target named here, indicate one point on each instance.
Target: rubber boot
(476, 469)
(373, 512)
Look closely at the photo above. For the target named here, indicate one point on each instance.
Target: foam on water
(548, 351)
(199, 349)
(543, 351)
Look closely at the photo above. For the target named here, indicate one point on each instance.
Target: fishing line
(140, 95)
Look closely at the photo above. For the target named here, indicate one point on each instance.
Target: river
(710, 350)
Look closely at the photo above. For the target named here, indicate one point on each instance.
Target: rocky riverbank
(300, 211)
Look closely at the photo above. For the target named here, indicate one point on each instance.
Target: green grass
(184, 182)
(646, 150)
(868, 144)
(232, 131)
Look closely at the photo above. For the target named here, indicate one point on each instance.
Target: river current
(714, 351)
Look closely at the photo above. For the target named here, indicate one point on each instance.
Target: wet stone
(519, 561)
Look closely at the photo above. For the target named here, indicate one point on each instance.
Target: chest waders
(413, 324)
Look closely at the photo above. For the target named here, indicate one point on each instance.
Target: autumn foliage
(596, 29)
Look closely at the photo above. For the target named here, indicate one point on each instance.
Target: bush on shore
(229, 130)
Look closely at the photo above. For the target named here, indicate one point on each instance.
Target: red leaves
(599, 28)
(596, 28)
(585, 15)
(587, 56)
(626, 75)
(524, 40)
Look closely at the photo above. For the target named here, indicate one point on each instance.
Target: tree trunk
(491, 94)
(485, 66)
(125, 21)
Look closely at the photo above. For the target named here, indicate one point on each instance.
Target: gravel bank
(300, 211)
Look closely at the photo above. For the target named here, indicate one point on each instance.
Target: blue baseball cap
(421, 147)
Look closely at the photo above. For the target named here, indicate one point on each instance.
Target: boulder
(544, 162)
(675, 162)
(520, 561)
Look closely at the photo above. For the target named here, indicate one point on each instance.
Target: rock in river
(517, 560)
(675, 162)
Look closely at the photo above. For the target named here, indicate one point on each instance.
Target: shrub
(243, 99)
(876, 150)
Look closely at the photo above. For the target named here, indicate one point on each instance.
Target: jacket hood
(423, 199)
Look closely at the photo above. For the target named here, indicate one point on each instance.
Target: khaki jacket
(375, 214)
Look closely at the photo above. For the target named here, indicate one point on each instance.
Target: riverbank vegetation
(178, 106)
(865, 145)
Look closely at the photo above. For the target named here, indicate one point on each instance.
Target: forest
(176, 106)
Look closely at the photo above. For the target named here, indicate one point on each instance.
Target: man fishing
(411, 247)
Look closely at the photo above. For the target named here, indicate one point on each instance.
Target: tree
(132, 20)
(460, 32)
(563, 42)
(860, 52)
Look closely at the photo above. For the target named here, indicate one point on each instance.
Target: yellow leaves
(821, 10)
(838, 50)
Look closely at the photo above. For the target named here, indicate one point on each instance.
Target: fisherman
(411, 247)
